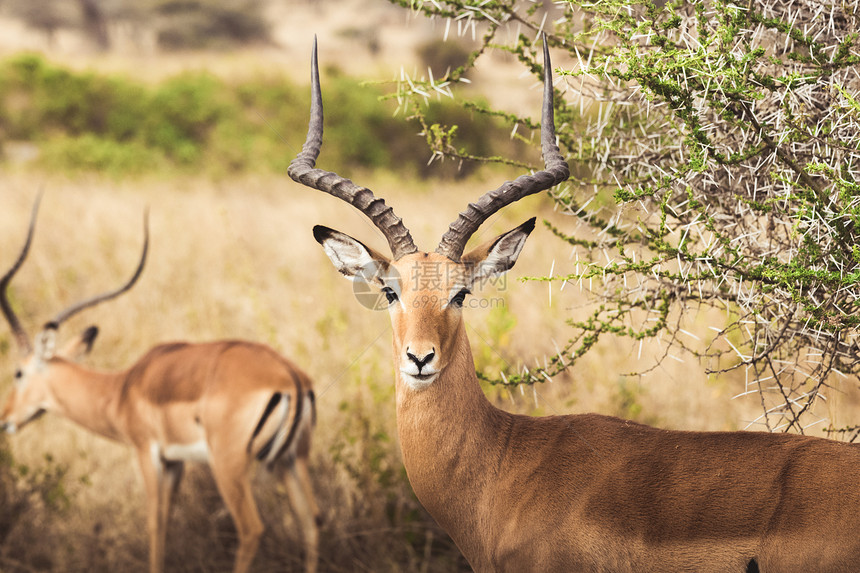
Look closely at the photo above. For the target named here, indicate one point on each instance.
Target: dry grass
(237, 259)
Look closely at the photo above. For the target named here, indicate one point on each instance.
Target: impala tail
(283, 427)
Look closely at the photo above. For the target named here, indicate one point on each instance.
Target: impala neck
(86, 397)
(450, 438)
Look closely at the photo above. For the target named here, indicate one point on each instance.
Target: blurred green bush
(84, 121)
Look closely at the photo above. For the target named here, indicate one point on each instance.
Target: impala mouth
(419, 381)
(12, 427)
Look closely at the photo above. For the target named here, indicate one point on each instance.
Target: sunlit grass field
(236, 259)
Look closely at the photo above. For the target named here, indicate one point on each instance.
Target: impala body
(225, 403)
(581, 492)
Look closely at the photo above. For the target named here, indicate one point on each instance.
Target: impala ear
(498, 255)
(46, 344)
(351, 257)
(81, 345)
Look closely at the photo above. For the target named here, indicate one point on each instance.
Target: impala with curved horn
(227, 403)
(577, 492)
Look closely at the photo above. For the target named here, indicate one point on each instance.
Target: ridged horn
(17, 330)
(556, 170)
(302, 171)
(87, 303)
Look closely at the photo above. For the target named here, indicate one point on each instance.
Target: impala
(577, 492)
(227, 403)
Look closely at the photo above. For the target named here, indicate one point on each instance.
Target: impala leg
(171, 476)
(235, 488)
(151, 470)
(298, 484)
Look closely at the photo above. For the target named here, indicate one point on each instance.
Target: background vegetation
(212, 24)
(199, 123)
(205, 145)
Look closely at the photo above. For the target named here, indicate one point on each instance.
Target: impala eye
(390, 294)
(458, 298)
(18, 374)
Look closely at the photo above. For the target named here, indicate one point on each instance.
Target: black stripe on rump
(270, 407)
(300, 404)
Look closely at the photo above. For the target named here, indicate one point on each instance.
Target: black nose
(421, 362)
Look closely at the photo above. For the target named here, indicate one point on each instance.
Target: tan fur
(596, 493)
(175, 396)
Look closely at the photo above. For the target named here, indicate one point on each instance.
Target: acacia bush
(728, 135)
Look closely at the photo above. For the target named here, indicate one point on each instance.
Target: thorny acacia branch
(729, 136)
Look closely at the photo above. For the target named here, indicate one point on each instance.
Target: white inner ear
(351, 258)
(501, 257)
(45, 345)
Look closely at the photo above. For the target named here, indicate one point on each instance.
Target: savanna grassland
(235, 259)
(232, 256)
